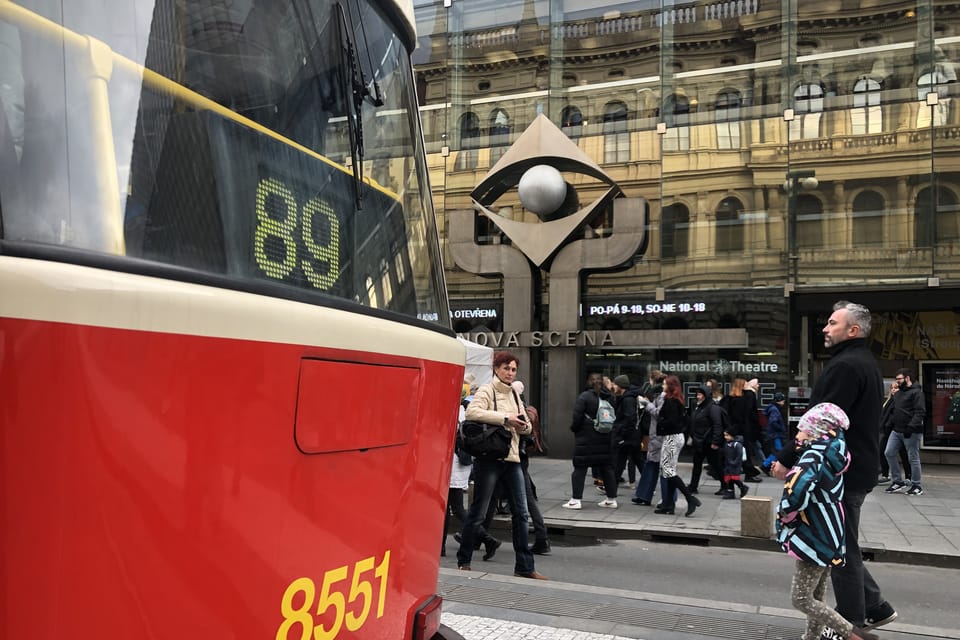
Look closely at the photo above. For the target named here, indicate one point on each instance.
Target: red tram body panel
(179, 461)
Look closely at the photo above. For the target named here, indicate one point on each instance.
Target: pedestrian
(706, 432)
(885, 428)
(459, 477)
(852, 381)
(497, 403)
(733, 455)
(741, 406)
(905, 424)
(625, 437)
(650, 472)
(530, 443)
(776, 433)
(810, 519)
(591, 448)
(671, 425)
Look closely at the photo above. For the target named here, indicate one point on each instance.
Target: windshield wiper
(354, 91)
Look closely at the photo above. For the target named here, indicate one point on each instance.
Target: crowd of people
(828, 463)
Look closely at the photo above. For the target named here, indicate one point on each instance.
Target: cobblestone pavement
(478, 628)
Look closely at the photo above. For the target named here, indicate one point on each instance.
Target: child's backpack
(603, 423)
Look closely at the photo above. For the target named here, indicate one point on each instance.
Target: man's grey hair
(856, 314)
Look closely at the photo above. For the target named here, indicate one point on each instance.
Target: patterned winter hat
(822, 418)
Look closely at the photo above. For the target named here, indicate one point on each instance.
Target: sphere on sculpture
(542, 189)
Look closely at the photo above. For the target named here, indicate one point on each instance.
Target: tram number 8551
(284, 228)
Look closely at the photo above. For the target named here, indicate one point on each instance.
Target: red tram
(228, 383)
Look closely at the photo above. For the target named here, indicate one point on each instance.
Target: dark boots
(541, 547)
(692, 501)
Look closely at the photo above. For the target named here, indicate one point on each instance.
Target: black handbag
(486, 441)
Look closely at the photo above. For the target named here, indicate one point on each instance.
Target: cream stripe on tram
(58, 292)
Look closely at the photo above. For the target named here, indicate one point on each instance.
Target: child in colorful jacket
(810, 518)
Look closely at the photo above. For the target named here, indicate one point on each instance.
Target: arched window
(807, 109)
(729, 226)
(936, 222)
(571, 122)
(499, 134)
(934, 82)
(868, 209)
(809, 222)
(866, 116)
(677, 112)
(469, 141)
(616, 138)
(727, 115)
(674, 230)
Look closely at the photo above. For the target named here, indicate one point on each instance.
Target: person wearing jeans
(498, 403)
(905, 422)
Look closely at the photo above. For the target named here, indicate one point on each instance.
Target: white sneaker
(608, 504)
(601, 490)
(572, 503)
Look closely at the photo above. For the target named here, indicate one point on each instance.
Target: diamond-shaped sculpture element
(541, 144)
(540, 240)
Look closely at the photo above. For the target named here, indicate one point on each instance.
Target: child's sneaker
(572, 503)
(915, 490)
(608, 504)
(728, 495)
(743, 490)
(895, 487)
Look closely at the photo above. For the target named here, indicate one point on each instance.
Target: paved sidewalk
(894, 527)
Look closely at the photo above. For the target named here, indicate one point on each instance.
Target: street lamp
(795, 181)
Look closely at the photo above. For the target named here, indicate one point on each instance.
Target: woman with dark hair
(671, 423)
(498, 403)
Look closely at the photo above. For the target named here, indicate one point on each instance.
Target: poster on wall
(941, 386)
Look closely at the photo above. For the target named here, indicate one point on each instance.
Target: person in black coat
(741, 406)
(626, 432)
(852, 381)
(590, 447)
(706, 431)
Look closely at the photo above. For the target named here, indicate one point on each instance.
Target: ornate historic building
(787, 154)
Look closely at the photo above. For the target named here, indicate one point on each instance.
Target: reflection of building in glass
(703, 109)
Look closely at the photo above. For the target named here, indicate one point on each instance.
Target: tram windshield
(264, 141)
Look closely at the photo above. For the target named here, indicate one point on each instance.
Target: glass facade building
(790, 154)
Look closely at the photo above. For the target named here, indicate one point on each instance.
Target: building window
(616, 138)
(934, 82)
(571, 122)
(674, 230)
(499, 134)
(728, 120)
(677, 137)
(867, 116)
(469, 141)
(372, 293)
(729, 226)
(808, 107)
(868, 208)
(936, 222)
(809, 222)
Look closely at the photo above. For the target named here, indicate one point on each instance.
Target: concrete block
(756, 516)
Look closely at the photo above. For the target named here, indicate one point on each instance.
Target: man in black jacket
(852, 381)
(905, 422)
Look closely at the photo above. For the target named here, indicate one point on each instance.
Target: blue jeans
(648, 480)
(486, 473)
(912, 445)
